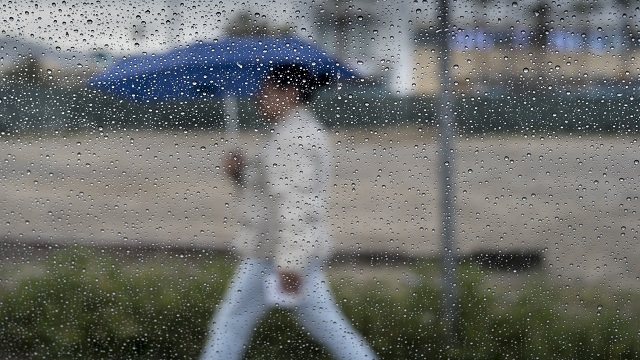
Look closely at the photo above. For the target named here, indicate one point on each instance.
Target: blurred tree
(480, 11)
(582, 10)
(629, 28)
(541, 13)
(630, 36)
(28, 70)
(246, 24)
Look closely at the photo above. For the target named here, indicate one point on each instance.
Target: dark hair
(299, 77)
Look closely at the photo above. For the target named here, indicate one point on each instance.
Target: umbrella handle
(231, 115)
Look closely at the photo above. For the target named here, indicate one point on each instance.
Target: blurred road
(574, 198)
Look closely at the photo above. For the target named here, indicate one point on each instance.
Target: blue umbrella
(227, 67)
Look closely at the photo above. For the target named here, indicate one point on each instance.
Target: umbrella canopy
(231, 66)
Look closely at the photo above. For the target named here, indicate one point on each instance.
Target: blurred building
(496, 43)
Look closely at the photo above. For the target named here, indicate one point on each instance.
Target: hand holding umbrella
(233, 165)
(290, 281)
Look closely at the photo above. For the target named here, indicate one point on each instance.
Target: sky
(129, 26)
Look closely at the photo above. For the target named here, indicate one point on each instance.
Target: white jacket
(285, 195)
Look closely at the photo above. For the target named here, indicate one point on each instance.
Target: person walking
(283, 240)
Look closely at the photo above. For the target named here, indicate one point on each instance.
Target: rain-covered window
(319, 179)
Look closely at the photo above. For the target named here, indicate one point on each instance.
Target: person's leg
(240, 310)
(322, 318)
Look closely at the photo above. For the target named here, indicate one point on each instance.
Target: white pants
(244, 305)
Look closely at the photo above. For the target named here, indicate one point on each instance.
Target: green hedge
(84, 304)
(37, 108)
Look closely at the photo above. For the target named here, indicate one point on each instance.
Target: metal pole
(446, 121)
(231, 115)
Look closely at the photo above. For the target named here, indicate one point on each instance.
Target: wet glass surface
(481, 189)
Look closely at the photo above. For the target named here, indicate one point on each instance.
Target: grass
(83, 303)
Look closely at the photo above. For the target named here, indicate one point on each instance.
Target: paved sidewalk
(575, 199)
